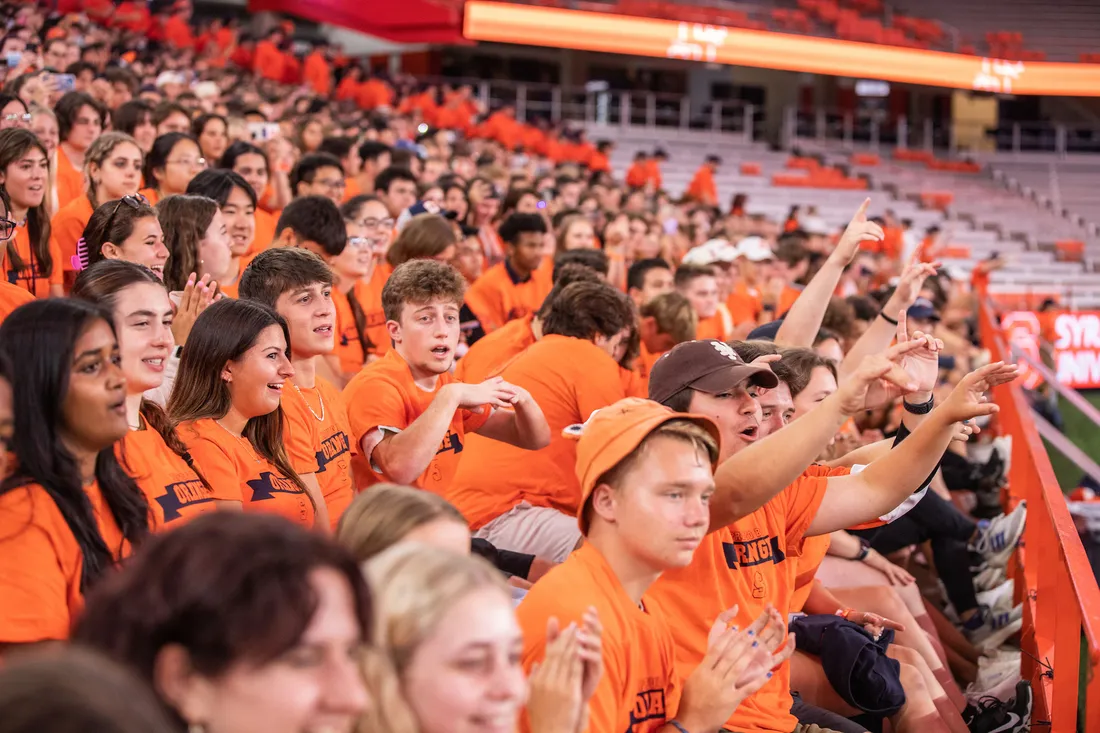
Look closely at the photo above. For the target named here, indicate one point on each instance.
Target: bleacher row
(979, 215)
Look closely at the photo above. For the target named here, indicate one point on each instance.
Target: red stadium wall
(401, 21)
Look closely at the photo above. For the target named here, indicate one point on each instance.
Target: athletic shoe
(989, 577)
(997, 677)
(997, 541)
(997, 627)
(1003, 445)
(991, 715)
(998, 599)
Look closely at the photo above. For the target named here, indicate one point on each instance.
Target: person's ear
(227, 372)
(111, 251)
(286, 238)
(605, 502)
(187, 692)
(393, 328)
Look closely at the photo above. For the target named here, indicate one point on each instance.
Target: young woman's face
(357, 259)
(25, 179)
(377, 227)
(580, 236)
(214, 248)
(822, 384)
(240, 220)
(45, 129)
(455, 200)
(93, 412)
(145, 132)
(12, 115)
(143, 317)
(315, 686)
(144, 246)
(312, 135)
(253, 168)
(175, 122)
(120, 174)
(183, 163)
(256, 379)
(214, 139)
(87, 126)
(466, 676)
(311, 319)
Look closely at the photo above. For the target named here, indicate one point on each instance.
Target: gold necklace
(311, 412)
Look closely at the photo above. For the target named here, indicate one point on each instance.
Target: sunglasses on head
(134, 201)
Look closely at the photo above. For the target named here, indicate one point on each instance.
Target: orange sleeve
(65, 231)
(37, 572)
(604, 387)
(300, 438)
(384, 407)
(217, 466)
(803, 499)
(473, 421)
(57, 271)
(483, 298)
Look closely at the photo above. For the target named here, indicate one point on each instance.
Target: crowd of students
(333, 402)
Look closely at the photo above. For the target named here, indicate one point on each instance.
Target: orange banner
(582, 30)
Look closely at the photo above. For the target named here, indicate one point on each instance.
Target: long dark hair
(101, 284)
(184, 220)
(223, 333)
(113, 221)
(14, 144)
(157, 158)
(38, 339)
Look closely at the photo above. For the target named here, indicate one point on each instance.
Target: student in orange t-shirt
(237, 206)
(298, 285)
(645, 477)
(637, 175)
(699, 285)
(30, 260)
(761, 543)
(346, 150)
(410, 420)
(151, 453)
(11, 297)
(130, 232)
(317, 72)
(59, 358)
(370, 213)
(702, 187)
(663, 322)
(226, 404)
(80, 120)
(523, 500)
(112, 167)
(269, 61)
(491, 353)
(509, 289)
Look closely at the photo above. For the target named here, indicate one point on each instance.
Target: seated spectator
(699, 285)
(31, 259)
(318, 174)
(511, 289)
(169, 167)
(197, 240)
(80, 120)
(237, 206)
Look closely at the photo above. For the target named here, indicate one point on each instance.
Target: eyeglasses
(18, 118)
(7, 227)
(189, 162)
(134, 201)
(378, 224)
(332, 185)
(359, 243)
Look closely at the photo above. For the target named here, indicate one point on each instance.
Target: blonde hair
(674, 316)
(385, 514)
(97, 155)
(413, 586)
(52, 203)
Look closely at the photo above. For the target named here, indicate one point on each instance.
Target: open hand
(967, 401)
(859, 230)
(878, 380)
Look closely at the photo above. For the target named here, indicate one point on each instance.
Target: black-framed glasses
(7, 228)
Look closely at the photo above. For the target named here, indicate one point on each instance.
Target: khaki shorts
(536, 530)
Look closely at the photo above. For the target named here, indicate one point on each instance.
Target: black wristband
(922, 408)
(864, 550)
(888, 319)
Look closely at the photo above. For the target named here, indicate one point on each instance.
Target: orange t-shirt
(172, 487)
(317, 74)
(493, 352)
(383, 396)
(178, 33)
(319, 446)
(265, 231)
(11, 297)
(814, 550)
(41, 563)
(67, 227)
(750, 563)
(369, 295)
(744, 304)
(30, 278)
(653, 173)
(70, 180)
(714, 327)
(637, 175)
(499, 296)
(150, 195)
(269, 61)
(569, 378)
(702, 187)
(348, 346)
(231, 463)
(640, 688)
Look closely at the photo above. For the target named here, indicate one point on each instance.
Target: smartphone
(13, 59)
(65, 82)
(261, 132)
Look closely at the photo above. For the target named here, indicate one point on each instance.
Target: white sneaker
(993, 671)
(999, 598)
(998, 540)
(1001, 685)
(1003, 445)
(989, 578)
(998, 627)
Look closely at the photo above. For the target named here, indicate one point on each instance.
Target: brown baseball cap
(614, 432)
(706, 366)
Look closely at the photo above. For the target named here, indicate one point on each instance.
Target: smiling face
(252, 167)
(426, 336)
(25, 179)
(466, 677)
(776, 408)
(93, 412)
(214, 248)
(256, 379)
(143, 315)
(311, 317)
(239, 216)
(144, 246)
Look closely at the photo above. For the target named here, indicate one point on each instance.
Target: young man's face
(657, 281)
(311, 317)
(399, 196)
(822, 384)
(427, 335)
(703, 294)
(328, 182)
(526, 253)
(737, 415)
(776, 408)
(661, 510)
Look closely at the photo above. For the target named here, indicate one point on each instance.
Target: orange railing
(1060, 595)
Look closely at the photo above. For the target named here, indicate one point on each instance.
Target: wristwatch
(864, 550)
